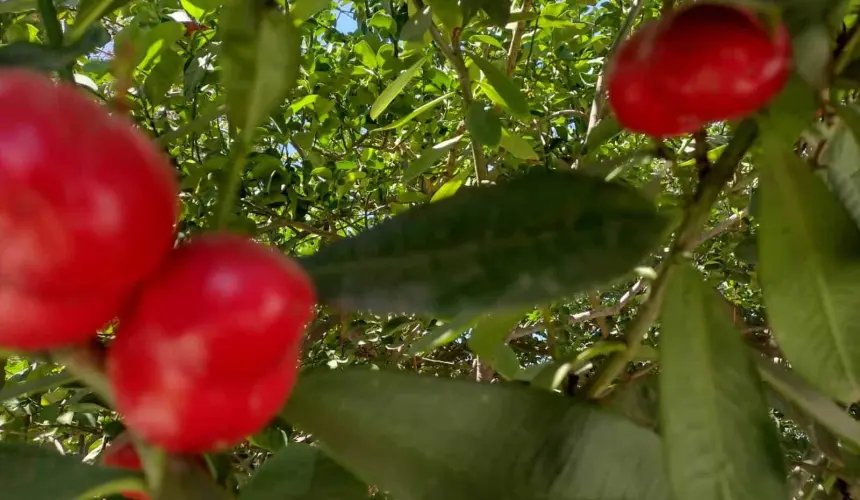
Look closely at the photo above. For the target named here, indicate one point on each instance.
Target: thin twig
(685, 240)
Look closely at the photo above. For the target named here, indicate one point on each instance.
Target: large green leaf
(48, 382)
(90, 11)
(394, 89)
(47, 58)
(809, 268)
(488, 340)
(302, 10)
(260, 60)
(842, 158)
(35, 473)
(163, 75)
(517, 146)
(499, 11)
(428, 157)
(493, 247)
(483, 124)
(813, 403)
(415, 113)
(302, 472)
(720, 443)
(512, 96)
(427, 438)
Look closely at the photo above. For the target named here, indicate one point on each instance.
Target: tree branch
(685, 240)
(516, 40)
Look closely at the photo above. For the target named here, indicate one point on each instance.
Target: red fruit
(704, 63)
(122, 455)
(208, 352)
(87, 203)
(31, 322)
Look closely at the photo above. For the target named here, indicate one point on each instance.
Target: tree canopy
(518, 297)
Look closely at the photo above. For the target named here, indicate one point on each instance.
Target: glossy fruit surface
(207, 354)
(703, 63)
(87, 203)
(30, 322)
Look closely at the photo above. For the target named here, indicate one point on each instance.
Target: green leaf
(483, 124)
(513, 97)
(811, 55)
(499, 11)
(163, 76)
(517, 146)
(443, 334)
(448, 12)
(487, 39)
(428, 157)
(260, 61)
(428, 438)
(480, 249)
(416, 26)
(37, 473)
(605, 129)
(712, 405)
(451, 187)
(842, 158)
(302, 10)
(13, 391)
(89, 12)
(47, 58)
(394, 89)
(415, 113)
(488, 340)
(813, 403)
(809, 269)
(302, 472)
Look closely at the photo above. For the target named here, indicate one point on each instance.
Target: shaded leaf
(302, 472)
(260, 60)
(451, 187)
(37, 473)
(513, 97)
(809, 268)
(712, 405)
(428, 157)
(426, 438)
(480, 250)
(442, 334)
(814, 404)
(394, 89)
(415, 113)
(302, 10)
(483, 124)
(163, 76)
(89, 12)
(499, 11)
(638, 400)
(12, 391)
(416, 26)
(842, 158)
(488, 340)
(605, 129)
(517, 146)
(47, 58)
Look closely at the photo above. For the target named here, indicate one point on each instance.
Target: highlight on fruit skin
(88, 206)
(209, 351)
(704, 63)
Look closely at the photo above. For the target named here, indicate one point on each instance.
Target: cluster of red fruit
(701, 64)
(209, 333)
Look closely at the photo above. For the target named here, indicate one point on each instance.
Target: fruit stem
(686, 240)
(48, 13)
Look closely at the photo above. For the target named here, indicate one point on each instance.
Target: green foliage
(518, 298)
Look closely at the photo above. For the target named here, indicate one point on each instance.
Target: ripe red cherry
(32, 322)
(704, 63)
(87, 203)
(207, 354)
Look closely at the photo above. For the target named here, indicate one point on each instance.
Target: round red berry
(704, 63)
(32, 322)
(207, 353)
(87, 203)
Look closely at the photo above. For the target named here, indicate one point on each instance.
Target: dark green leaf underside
(34, 473)
(542, 236)
(426, 438)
